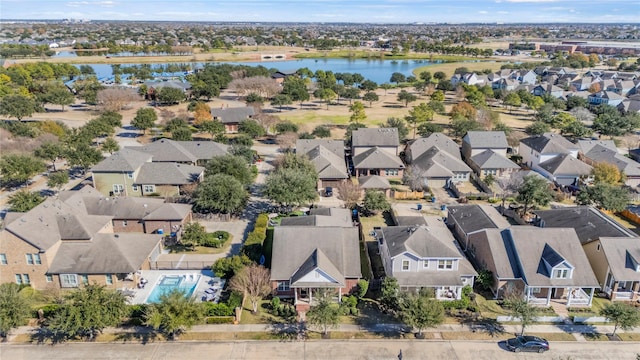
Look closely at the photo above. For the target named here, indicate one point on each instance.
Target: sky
(356, 11)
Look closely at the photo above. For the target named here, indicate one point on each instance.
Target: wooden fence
(180, 265)
(407, 195)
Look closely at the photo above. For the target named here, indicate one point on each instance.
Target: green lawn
(489, 308)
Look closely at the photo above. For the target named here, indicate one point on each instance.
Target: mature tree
(512, 100)
(145, 119)
(582, 115)
(623, 316)
(324, 313)
(370, 97)
(437, 95)
(58, 179)
(389, 291)
(182, 134)
(419, 115)
(220, 193)
(280, 100)
(201, 113)
(17, 106)
(321, 131)
(534, 191)
(296, 89)
(464, 110)
(227, 267)
(375, 201)
(357, 112)
(406, 97)
(290, 186)
(429, 128)
(520, 309)
(14, 308)
(420, 312)
(460, 126)
(607, 173)
(351, 94)
(174, 314)
(24, 200)
(251, 128)
(286, 126)
(350, 193)
(575, 102)
(398, 123)
(214, 128)
(233, 165)
(613, 124)
(397, 78)
(368, 85)
(325, 94)
(110, 145)
(254, 282)
(83, 155)
(19, 168)
(194, 234)
(385, 87)
(537, 128)
(605, 196)
(85, 312)
(50, 151)
(575, 129)
(59, 95)
(169, 96)
(115, 98)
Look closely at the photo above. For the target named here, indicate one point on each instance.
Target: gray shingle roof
(125, 160)
(303, 146)
(374, 182)
(623, 255)
(321, 217)
(293, 245)
(375, 158)
(472, 218)
(439, 163)
(166, 150)
(375, 137)
(549, 143)
(586, 145)
(328, 164)
(232, 115)
(588, 222)
(602, 153)
(491, 160)
(421, 145)
(104, 254)
(168, 174)
(417, 240)
(566, 165)
(318, 261)
(486, 139)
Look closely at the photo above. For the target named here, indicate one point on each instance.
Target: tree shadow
(143, 337)
(488, 326)
(374, 320)
(43, 336)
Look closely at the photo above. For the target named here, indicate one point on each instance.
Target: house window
(25, 279)
(149, 188)
(130, 175)
(459, 176)
(561, 273)
(425, 264)
(488, 172)
(405, 265)
(3, 259)
(535, 290)
(18, 279)
(68, 280)
(108, 279)
(391, 172)
(85, 279)
(134, 188)
(283, 286)
(36, 259)
(49, 278)
(598, 247)
(124, 222)
(29, 259)
(118, 188)
(445, 264)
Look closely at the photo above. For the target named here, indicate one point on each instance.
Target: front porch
(623, 291)
(570, 296)
(305, 297)
(449, 292)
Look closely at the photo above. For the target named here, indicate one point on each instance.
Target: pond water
(376, 70)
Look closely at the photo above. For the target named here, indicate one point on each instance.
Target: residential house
(540, 148)
(425, 257)
(623, 87)
(328, 158)
(58, 245)
(616, 264)
(547, 89)
(153, 87)
(604, 151)
(588, 222)
(186, 152)
(526, 77)
(583, 83)
(336, 217)
(475, 142)
(385, 139)
(438, 168)
(539, 264)
(307, 260)
(377, 161)
(565, 170)
(419, 146)
(464, 220)
(629, 106)
(505, 84)
(490, 163)
(375, 182)
(605, 97)
(280, 75)
(232, 117)
(469, 79)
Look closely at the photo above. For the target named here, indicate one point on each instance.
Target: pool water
(168, 283)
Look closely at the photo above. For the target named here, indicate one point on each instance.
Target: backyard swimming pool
(185, 283)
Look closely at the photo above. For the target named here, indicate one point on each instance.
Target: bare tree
(414, 177)
(116, 98)
(261, 85)
(583, 115)
(510, 185)
(253, 281)
(350, 193)
(265, 120)
(287, 140)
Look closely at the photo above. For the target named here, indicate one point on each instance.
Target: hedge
(253, 244)
(220, 320)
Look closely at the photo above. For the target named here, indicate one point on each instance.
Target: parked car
(527, 343)
(328, 191)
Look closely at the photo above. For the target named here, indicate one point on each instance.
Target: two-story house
(375, 152)
(616, 264)
(232, 117)
(486, 153)
(425, 257)
(594, 152)
(541, 148)
(328, 158)
(606, 98)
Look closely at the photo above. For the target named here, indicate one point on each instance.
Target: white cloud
(483, 12)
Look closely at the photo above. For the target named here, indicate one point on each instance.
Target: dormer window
(561, 273)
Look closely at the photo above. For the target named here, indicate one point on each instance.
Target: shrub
(220, 309)
(48, 311)
(262, 221)
(220, 320)
(235, 300)
(275, 303)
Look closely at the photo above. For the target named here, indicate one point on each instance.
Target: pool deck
(153, 278)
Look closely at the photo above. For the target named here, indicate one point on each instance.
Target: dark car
(527, 343)
(328, 191)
